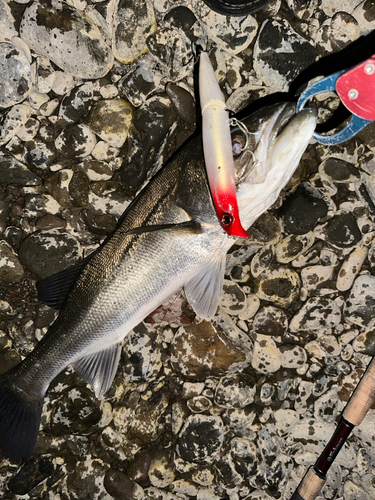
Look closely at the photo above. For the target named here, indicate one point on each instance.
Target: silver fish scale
(130, 276)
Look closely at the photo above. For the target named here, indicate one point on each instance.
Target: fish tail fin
(20, 415)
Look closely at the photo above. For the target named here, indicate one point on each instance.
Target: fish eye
(238, 144)
(226, 219)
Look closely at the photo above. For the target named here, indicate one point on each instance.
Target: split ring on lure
(217, 149)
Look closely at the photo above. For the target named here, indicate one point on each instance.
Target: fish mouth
(274, 140)
(260, 138)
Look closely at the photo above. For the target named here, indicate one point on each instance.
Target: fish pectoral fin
(99, 369)
(54, 289)
(190, 226)
(203, 291)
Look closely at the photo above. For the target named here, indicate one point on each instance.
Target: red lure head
(229, 217)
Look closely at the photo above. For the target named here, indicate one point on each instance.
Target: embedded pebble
(142, 356)
(121, 487)
(75, 105)
(341, 231)
(139, 18)
(29, 130)
(173, 48)
(40, 153)
(78, 400)
(262, 260)
(110, 120)
(232, 299)
(201, 439)
(71, 39)
(293, 246)
(200, 349)
(302, 209)
(45, 75)
(45, 253)
(364, 13)
(48, 222)
(8, 22)
(354, 492)
(338, 170)
(97, 170)
(314, 278)
(235, 391)
(15, 119)
(337, 32)
(16, 76)
(182, 101)
(232, 34)
(144, 79)
(292, 356)
(351, 268)
(98, 224)
(30, 475)
(13, 171)
(76, 141)
(11, 269)
(266, 356)
(238, 462)
(270, 320)
(280, 286)
(199, 404)
(316, 313)
(365, 343)
(161, 471)
(359, 308)
(58, 187)
(280, 54)
(330, 345)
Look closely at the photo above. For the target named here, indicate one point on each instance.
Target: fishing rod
(354, 412)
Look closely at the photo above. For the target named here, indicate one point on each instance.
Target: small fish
(217, 148)
(168, 238)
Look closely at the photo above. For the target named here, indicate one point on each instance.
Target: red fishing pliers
(356, 89)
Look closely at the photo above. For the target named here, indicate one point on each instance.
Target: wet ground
(240, 407)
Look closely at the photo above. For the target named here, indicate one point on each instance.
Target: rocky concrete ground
(237, 408)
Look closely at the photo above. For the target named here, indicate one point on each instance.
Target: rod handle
(309, 487)
(362, 398)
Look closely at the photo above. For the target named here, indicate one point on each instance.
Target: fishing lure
(217, 149)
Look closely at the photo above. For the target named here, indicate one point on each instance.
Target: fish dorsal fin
(203, 291)
(54, 289)
(99, 369)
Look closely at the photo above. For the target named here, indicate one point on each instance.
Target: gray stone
(15, 172)
(315, 314)
(110, 119)
(280, 54)
(76, 141)
(45, 253)
(11, 270)
(16, 78)
(359, 307)
(235, 391)
(73, 40)
(131, 24)
(201, 439)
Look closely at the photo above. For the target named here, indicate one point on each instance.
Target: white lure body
(217, 149)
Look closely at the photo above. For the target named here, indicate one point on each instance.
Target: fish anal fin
(99, 368)
(54, 289)
(203, 291)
